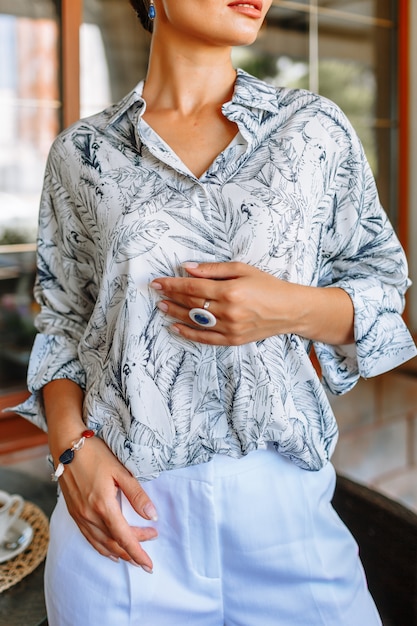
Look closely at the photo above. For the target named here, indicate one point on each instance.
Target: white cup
(9, 501)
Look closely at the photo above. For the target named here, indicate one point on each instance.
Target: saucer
(17, 528)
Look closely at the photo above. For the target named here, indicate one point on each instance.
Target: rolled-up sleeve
(362, 255)
(64, 288)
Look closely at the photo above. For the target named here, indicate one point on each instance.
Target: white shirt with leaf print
(292, 195)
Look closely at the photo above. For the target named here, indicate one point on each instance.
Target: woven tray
(11, 572)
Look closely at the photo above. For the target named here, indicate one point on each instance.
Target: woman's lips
(251, 9)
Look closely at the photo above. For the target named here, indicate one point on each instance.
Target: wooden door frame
(71, 16)
(404, 121)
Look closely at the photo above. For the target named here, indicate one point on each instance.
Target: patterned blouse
(292, 195)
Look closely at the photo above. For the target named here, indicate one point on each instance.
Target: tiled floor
(378, 435)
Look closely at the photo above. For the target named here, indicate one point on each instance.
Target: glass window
(381, 9)
(114, 53)
(29, 111)
(347, 52)
(29, 121)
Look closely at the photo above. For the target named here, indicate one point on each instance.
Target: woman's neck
(187, 78)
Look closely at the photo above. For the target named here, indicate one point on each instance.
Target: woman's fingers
(245, 301)
(206, 283)
(136, 495)
(119, 543)
(124, 540)
(105, 527)
(187, 292)
(219, 271)
(90, 485)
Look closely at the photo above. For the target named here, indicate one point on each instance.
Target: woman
(195, 240)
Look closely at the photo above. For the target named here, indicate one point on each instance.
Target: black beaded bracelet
(68, 455)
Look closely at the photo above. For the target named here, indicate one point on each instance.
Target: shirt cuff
(386, 345)
(53, 357)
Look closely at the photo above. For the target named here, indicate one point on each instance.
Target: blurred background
(62, 59)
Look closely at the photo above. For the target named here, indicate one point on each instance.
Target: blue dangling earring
(151, 11)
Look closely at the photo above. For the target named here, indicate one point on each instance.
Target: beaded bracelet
(68, 455)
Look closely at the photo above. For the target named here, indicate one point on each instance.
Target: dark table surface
(24, 604)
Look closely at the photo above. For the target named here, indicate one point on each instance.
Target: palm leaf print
(195, 243)
(193, 224)
(163, 265)
(137, 239)
(158, 199)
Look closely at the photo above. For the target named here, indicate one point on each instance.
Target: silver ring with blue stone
(203, 317)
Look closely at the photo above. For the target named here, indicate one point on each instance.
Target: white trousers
(248, 542)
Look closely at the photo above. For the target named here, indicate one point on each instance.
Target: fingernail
(150, 511)
(162, 306)
(147, 569)
(113, 558)
(132, 562)
(156, 286)
(190, 265)
(175, 330)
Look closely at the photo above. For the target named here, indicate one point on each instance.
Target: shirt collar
(254, 93)
(133, 98)
(249, 92)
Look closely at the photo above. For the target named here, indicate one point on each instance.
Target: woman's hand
(250, 305)
(90, 487)
(91, 482)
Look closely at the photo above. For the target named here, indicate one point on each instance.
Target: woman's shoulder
(99, 122)
(286, 100)
(298, 112)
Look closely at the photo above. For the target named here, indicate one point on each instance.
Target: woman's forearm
(325, 314)
(63, 400)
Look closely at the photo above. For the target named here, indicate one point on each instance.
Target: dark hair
(142, 7)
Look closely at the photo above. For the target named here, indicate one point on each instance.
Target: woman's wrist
(67, 456)
(324, 314)
(63, 401)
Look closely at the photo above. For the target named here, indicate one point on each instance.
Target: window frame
(404, 27)
(71, 19)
